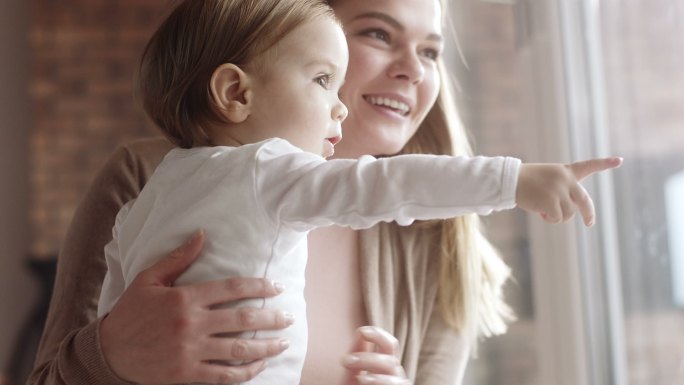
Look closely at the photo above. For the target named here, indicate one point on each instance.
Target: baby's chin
(328, 149)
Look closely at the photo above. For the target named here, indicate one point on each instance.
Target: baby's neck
(235, 135)
(230, 142)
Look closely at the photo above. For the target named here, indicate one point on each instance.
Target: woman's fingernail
(284, 344)
(289, 318)
(350, 359)
(364, 379)
(194, 237)
(278, 286)
(367, 331)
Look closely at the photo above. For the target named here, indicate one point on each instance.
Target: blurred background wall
(66, 101)
(17, 290)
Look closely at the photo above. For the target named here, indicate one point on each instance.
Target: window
(643, 70)
(562, 80)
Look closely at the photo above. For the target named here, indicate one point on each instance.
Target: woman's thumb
(167, 270)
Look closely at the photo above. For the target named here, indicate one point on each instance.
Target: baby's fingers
(585, 168)
(553, 214)
(584, 204)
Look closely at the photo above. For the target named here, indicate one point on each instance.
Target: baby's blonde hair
(195, 39)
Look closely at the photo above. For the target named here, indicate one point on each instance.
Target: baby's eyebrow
(322, 62)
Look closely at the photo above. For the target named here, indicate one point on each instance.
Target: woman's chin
(372, 143)
(387, 146)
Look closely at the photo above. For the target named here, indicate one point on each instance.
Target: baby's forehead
(316, 41)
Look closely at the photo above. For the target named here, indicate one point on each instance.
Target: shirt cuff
(509, 183)
(88, 365)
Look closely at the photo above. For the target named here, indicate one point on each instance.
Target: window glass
(643, 55)
(488, 82)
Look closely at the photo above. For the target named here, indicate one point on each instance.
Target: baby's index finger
(585, 168)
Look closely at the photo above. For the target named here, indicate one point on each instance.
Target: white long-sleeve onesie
(257, 202)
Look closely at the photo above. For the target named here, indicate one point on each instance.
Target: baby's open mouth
(334, 140)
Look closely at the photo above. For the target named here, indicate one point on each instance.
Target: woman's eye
(431, 54)
(377, 34)
(323, 81)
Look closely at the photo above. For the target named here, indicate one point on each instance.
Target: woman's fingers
(232, 320)
(218, 292)
(384, 342)
(381, 379)
(222, 349)
(159, 333)
(378, 363)
(166, 271)
(374, 360)
(222, 374)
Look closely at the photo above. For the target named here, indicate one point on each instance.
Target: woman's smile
(396, 104)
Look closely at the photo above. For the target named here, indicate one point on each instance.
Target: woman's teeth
(403, 108)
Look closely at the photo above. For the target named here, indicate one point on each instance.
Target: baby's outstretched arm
(554, 191)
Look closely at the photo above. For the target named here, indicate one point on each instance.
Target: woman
(434, 286)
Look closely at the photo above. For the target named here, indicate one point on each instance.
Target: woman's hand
(374, 360)
(554, 191)
(161, 334)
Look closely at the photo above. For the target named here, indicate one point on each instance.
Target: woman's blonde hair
(195, 39)
(471, 274)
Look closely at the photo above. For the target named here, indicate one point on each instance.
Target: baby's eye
(323, 81)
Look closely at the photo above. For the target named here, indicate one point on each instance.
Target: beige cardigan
(398, 276)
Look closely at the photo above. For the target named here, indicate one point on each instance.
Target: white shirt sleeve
(304, 190)
(114, 284)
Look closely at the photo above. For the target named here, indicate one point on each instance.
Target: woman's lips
(397, 104)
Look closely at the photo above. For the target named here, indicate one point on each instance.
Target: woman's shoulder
(150, 149)
(132, 163)
(142, 155)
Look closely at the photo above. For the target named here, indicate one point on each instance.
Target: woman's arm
(444, 354)
(161, 334)
(68, 348)
(70, 351)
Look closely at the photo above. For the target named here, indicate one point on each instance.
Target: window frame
(575, 271)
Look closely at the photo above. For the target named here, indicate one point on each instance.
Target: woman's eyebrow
(394, 23)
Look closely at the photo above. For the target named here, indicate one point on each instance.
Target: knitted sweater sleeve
(444, 353)
(69, 351)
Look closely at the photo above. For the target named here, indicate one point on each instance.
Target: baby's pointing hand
(554, 191)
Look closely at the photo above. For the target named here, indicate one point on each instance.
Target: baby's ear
(230, 92)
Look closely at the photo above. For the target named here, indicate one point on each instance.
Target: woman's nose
(407, 66)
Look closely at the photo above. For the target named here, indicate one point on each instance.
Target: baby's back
(212, 188)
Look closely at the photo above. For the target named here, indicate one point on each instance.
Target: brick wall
(85, 53)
